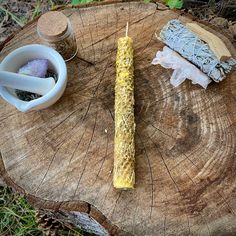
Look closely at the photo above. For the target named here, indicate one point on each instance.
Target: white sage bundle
(177, 36)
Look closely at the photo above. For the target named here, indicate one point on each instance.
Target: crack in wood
(151, 174)
(90, 141)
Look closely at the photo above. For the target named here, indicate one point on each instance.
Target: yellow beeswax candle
(124, 151)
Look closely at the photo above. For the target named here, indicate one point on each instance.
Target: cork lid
(52, 25)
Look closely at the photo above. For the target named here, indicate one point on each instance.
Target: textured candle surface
(124, 160)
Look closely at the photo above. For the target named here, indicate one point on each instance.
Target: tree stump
(62, 157)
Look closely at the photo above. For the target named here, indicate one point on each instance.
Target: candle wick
(127, 28)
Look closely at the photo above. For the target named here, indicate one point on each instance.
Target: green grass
(17, 217)
(21, 21)
(37, 10)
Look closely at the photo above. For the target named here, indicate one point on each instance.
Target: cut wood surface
(62, 157)
(215, 43)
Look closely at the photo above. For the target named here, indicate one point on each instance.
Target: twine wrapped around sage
(124, 159)
(177, 36)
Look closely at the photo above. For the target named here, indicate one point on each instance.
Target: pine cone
(48, 223)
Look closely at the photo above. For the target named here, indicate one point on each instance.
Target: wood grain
(215, 43)
(62, 157)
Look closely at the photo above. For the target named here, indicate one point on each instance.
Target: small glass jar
(55, 30)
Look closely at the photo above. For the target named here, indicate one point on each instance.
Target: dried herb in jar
(55, 30)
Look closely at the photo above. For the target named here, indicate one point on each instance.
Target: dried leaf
(220, 21)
